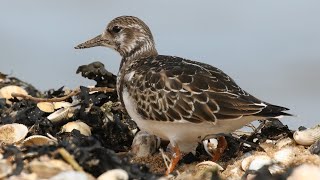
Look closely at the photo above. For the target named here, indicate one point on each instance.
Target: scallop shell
(210, 145)
(47, 107)
(37, 140)
(13, 133)
(144, 144)
(259, 161)
(62, 104)
(284, 142)
(6, 92)
(284, 156)
(114, 174)
(308, 136)
(59, 115)
(78, 125)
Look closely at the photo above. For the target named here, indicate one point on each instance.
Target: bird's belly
(181, 131)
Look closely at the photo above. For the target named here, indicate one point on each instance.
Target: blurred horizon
(270, 48)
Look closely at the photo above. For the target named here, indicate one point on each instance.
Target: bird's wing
(175, 89)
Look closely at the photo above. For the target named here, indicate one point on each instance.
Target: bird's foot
(175, 159)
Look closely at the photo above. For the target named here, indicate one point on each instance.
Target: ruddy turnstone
(174, 98)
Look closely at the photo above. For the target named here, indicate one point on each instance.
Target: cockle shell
(257, 162)
(308, 136)
(46, 168)
(6, 92)
(37, 140)
(65, 175)
(114, 174)
(47, 107)
(13, 133)
(78, 125)
(284, 155)
(209, 165)
(59, 115)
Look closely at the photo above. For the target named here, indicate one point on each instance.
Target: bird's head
(128, 35)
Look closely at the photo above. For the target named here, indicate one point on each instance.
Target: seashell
(12, 133)
(6, 92)
(276, 169)
(37, 140)
(47, 107)
(59, 115)
(284, 142)
(114, 174)
(72, 175)
(245, 163)
(5, 168)
(47, 168)
(284, 156)
(259, 161)
(62, 104)
(78, 125)
(145, 144)
(308, 136)
(305, 172)
(209, 165)
(210, 145)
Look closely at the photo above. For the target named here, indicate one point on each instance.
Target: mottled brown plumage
(174, 98)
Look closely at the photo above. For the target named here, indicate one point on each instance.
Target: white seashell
(308, 136)
(284, 142)
(59, 115)
(6, 92)
(72, 175)
(78, 125)
(144, 144)
(305, 172)
(245, 163)
(209, 165)
(276, 169)
(62, 104)
(13, 133)
(47, 168)
(5, 168)
(284, 156)
(210, 145)
(47, 107)
(37, 140)
(114, 174)
(259, 161)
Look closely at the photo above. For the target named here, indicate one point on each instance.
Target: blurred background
(271, 48)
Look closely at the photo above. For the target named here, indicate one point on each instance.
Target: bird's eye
(116, 29)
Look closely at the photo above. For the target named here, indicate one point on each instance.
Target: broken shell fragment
(145, 144)
(307, 137)
(37, 140)
(114, 174)
(6, 92)
(13, 133)
(59, 115)
(78, 125)
(47, 107)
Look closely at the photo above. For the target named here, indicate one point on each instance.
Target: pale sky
(271, 48)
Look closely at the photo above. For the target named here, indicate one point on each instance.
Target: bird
(177, 99)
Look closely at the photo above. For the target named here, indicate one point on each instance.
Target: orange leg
(222, 145)
(175, 159)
